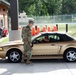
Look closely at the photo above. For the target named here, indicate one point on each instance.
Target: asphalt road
(38, 67)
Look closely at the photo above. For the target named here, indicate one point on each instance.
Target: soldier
(26, 37)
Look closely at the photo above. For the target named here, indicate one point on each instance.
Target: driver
(45, 39)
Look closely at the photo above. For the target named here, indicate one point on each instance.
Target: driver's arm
(46, 40)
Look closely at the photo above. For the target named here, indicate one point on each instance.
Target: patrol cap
(31, 21)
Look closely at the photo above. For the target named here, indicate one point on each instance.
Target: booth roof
(5, 2)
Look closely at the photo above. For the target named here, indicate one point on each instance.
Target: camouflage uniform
(26, 37)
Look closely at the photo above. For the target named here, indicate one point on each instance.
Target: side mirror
(35, 42)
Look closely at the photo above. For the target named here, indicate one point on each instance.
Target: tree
(47, 7)
(68, 6)
(34, 7)
(53, 7)
(40, 7)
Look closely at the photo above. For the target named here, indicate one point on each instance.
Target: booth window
(4, 10)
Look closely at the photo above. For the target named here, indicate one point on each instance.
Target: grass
(4, 40)
(71, 29)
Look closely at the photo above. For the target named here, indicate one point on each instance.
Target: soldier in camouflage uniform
(26, 37)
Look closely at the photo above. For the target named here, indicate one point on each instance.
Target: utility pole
(14, 14)
(14, 34)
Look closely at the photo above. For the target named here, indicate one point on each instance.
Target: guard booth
(4, 6)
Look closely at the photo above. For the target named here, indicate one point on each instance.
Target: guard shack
(4, 6)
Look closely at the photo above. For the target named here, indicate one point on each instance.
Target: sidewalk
(38, 68)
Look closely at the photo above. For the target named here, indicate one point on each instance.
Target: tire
(14, 56)
(70, 55)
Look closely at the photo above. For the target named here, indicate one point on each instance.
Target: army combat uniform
(26, 37)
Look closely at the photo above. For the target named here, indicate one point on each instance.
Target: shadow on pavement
(40, 61)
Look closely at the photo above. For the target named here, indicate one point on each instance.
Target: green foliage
(68, 6)
(40, 7)
(47, 7)
(4, 40)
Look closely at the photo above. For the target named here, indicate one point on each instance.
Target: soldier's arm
(24, 34)
(29, 37)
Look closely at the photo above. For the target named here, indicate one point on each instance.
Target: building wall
(3, 16)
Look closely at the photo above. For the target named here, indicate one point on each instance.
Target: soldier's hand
(30, 44)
